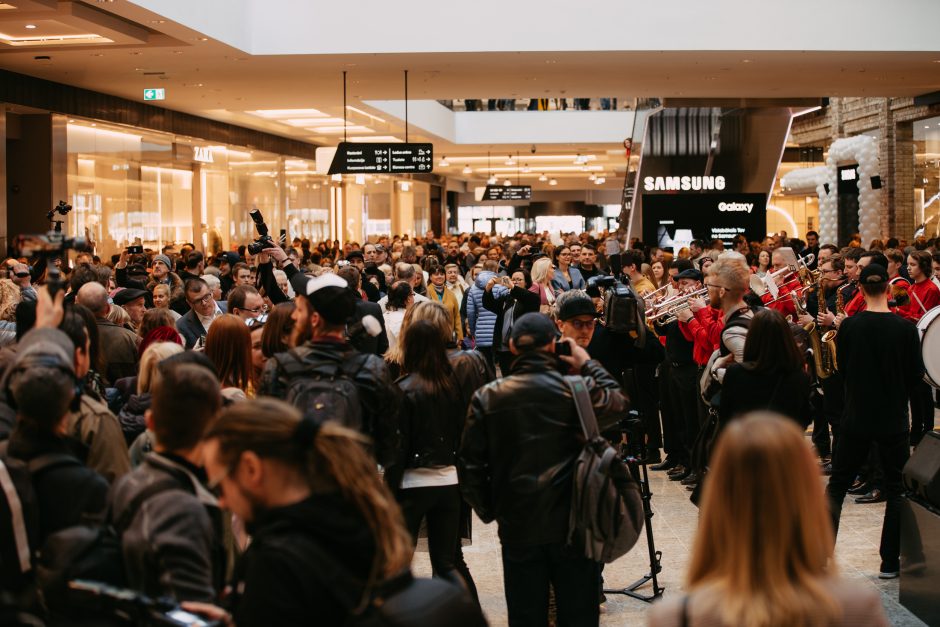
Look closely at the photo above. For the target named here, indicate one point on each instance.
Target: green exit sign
(155, 94)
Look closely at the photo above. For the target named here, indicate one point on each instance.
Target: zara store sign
(202, 154)
(683, 183)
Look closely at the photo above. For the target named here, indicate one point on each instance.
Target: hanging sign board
(363, 158)
(507, 192)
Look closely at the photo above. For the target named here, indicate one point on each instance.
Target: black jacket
(520, 443)
(744, 390)
(377, 392)
(67, 494)
(173, 544)
(524, 301)
(131, 416)
(429, 426)
(301, 557)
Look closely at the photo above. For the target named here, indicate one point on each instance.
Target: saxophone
(828, 340)
(815, 341)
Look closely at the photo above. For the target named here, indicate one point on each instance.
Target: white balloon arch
(862, 150)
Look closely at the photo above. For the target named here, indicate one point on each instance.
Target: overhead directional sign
(155, 94)
(362, 158)
(508, 192)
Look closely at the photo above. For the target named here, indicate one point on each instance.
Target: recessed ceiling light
(177, 52)
(926, 126)
(745, 60)
(553, 182)
(30, 26)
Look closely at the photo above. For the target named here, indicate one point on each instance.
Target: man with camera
(516, 464)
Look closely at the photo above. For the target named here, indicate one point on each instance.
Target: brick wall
(892, 118)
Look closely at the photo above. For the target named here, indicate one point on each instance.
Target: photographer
(516, 460)
(508, 298)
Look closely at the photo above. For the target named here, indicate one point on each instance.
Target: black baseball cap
(872, 274)
(691, 273)
(575, 303)
(353, 254)
(533, 330)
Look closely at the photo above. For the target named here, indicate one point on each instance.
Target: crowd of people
(267, 435)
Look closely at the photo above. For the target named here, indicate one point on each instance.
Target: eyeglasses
(256, 310)
(583, 325)
(254, 323)
(202, 301)
(715, 285)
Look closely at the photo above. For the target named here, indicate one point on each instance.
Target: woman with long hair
(763, 550)
(657, 274)
(132, 413)
(278, 333)
(764, 263)
(566, 277)
(772, 376)
(424, 475)
(228, 345)
(320, 518)
(542, 273)
(400, 298)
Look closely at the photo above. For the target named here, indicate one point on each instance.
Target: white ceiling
(209, 78)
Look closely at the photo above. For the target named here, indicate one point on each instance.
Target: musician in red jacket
(924, 296)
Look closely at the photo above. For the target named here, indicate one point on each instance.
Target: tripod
(635, 458)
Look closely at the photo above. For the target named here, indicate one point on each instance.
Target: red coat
(924, 293)
(704, 330)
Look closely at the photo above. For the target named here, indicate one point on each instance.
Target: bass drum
(929, 328)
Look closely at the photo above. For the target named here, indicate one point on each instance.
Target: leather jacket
(377, 392)
(520, 442)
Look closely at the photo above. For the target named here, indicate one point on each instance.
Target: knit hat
(164, 260)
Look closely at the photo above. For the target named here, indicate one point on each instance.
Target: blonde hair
(541, 270)
(336, 461)
(153, 355)
(119, 316)
(731, 271)
(762, 548)
(10, 297)
(428, 310)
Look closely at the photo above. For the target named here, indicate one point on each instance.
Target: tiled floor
(674, 523)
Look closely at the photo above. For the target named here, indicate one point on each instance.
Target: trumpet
(666, 312)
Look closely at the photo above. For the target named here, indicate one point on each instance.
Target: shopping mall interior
(164, 122)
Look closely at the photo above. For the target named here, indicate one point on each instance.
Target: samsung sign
(683, 183)
(736, 206)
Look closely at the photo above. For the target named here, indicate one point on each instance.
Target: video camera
(62, 209)
(130, 607)
(51, 245)
(264, 240)
(624, 310)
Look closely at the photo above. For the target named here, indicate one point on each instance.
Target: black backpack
(84, 551)
(606, 506)
(324, 391)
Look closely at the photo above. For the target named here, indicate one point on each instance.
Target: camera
(264, 240)
(62, 209)
(130, 607)
(624, 310)
(563, 348)
(135, 250)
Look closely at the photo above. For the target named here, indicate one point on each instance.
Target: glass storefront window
(927, 175)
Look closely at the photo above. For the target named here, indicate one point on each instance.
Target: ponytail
(330, 458)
